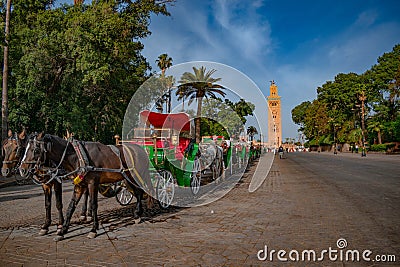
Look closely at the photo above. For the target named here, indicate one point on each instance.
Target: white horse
(212, 157)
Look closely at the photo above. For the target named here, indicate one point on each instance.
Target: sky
(298, 44)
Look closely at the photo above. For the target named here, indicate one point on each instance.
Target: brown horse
(105, 167)
(13, 151)
(13, 147)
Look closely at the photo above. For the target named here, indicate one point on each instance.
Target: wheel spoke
(196, 177)
(165, 188)
(124, 196)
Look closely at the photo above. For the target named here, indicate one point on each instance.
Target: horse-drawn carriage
(216, 155)
(161, 145)
(173, 154)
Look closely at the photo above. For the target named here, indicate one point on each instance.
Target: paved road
(308, 202)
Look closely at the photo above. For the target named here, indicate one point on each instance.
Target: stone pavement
(291, 210)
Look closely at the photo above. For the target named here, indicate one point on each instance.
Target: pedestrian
(280, 151)
(356, 148)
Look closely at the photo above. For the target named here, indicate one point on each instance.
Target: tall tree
(180, 92)
(385, 77)
(164, 62)
(299, 114)
(198, 85)
(228, 114)
(377, 127)
(251, 131)
(4, 102)
(339, 103)
(75, 67)
(242, 108)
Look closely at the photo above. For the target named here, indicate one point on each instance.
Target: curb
(7, 182)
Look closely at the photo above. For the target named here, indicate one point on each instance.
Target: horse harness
(83, 160)
(85, 167)
(54, 172)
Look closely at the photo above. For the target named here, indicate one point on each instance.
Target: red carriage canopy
(177, 121)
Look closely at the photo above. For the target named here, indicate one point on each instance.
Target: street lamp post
(362, 99)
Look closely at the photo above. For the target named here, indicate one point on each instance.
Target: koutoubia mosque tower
(274, 117)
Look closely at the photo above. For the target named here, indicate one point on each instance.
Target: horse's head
(35, 154)
(13, 147)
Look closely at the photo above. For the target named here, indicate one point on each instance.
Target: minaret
(274, 117)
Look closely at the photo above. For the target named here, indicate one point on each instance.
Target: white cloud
(366, 18)
(246, 32)
(234, 33)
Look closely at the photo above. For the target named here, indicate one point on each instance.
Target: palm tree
(164, 62)
(196, 86)
(376, 126)
(251, 131)
(181, 96)
(4, 101)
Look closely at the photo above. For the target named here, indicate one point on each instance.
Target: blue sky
(299, 44)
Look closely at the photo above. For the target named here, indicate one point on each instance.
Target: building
(274, 117)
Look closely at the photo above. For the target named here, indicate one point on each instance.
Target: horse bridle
(40, 170)
(18, 157)
(38, 148)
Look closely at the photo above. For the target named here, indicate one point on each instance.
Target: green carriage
(172, 152)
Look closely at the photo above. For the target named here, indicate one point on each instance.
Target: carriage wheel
(123, 196)
(165, 188)
(195, 179)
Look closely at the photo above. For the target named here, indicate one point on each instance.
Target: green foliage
(76, 67)
(164, 62)
(251, 131)
(338, 107)
(231, 116)
(211, 127)
(382, 147)
(242, 109)
(196, 86)
(299, 114)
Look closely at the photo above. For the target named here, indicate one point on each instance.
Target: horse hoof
(137, 221)
(89, 219)
(59, 229)
(43, 231)
(91, 235)
(82, 218)
(58, 238)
